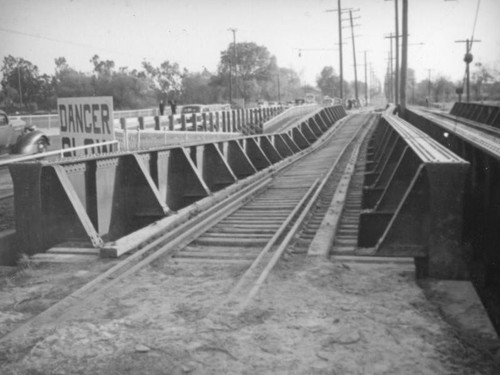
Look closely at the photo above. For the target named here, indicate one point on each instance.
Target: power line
(82, 45)
(475, 22)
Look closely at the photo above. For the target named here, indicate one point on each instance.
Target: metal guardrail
(195, 121)
(413, 200)
(135, 133)
(293, 112)
(52, 121)
(61, 153)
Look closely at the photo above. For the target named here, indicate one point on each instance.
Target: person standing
(162, 107)
(173, 106)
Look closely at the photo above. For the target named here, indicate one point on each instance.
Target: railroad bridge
(313, 180)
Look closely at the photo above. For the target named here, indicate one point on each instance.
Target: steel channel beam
(102, 198)
(419, 212)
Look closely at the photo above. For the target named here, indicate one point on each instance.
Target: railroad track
(251, 230)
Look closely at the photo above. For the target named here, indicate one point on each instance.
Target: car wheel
(41, 146)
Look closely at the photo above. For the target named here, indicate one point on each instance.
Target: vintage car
(196, 110)
(18, 138)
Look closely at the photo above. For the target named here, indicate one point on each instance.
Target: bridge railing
(90, 201)
(51, 121)
(275, 122)
(482, 113)
(135, 133)
(413, 200)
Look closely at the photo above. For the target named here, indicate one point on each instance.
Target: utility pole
(468, 59)
(404, 56)
(356, 96)
(234, 63)
(341, 67)
(396, 52)
(339, 7)
(396, 42)
(279, 95)
(19, 84)
(429, 86)
(372, 81)
(366, 83)
(391, 72)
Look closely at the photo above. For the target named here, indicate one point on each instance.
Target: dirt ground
(311, 317)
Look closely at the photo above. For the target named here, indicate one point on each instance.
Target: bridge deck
(313, 316)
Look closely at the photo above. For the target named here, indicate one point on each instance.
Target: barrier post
(204, 121)
(141, 122)
(211, 121)
(171, 122)
(194, 122)
(123, 124)
(233, 120)
(157, 122)
(224, 120)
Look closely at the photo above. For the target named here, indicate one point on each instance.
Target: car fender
(27, 142)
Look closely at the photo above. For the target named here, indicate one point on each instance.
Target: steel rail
(167, 244)
(281, 230)
(310, 198)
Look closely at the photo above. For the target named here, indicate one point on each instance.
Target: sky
(194, 32)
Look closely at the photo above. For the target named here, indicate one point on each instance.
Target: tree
(328, 82)
(254, 68)
(289, 84)
(166, 79)
(102, 68)
(196, 88)
(130, 90)
(70, 83)
(480, 77)
(20, 82)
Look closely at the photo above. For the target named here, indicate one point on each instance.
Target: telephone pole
(429, 85)
(391, 71)
(234, 63)
(468, 59)
(279, 94)
(404, 57)
(356, 96)
(366, 82)
(396, 52)
(340, 51)
(341, 68)
(396, 42)
(20, 89)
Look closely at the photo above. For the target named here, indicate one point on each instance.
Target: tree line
(484, 86)
(245, 71)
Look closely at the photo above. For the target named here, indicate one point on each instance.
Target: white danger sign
(85, 121)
